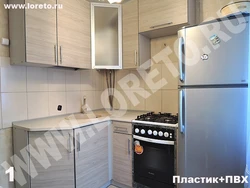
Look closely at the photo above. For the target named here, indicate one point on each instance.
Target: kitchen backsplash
(32, 92)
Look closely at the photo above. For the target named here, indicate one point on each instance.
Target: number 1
(11, 172)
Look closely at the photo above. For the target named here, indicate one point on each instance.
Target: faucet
(84, 105)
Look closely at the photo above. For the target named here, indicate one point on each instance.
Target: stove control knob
(150, 132)
(166, 134)
(137, 130)
(142, 131)
(160, 133)
(155, 133)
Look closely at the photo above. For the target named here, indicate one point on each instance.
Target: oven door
(154, 167)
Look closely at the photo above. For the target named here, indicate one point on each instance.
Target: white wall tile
(98, 100)
(170, 101)
(74, 102)
(98, 77)
(87, 80)
(120, 74)
(55, 99)
(170, 73)
(121, 100)
(90, 98)
(137, 100)
(13, 78)
(57, 79)
(14, 108)
(153, 102)
(38, 105)
(73, 80)
(37, 79)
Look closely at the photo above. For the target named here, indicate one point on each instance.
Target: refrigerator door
(215, 53)
(212, 142)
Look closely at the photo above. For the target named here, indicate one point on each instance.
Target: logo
(215, 39)
(204, 57)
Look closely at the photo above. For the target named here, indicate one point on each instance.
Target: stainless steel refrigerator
(213, 63)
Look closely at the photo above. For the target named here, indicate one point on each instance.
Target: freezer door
(215, 53)
(213, 141)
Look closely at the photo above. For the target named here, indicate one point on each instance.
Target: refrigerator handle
(182, 111)
(181, 43)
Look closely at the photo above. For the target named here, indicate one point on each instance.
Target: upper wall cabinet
(136, 47)
(51, 37)
(159, 18)
(74, 33)
(106, 36)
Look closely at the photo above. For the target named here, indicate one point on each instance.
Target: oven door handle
(155, 141)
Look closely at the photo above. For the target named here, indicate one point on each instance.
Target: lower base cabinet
(62, 159)
(122, 154)
(92, 156)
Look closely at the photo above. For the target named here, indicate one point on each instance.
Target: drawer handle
(169, 23)
(56, 53)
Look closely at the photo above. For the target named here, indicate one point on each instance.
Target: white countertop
(70, 121)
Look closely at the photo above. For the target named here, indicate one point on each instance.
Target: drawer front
(122, 128)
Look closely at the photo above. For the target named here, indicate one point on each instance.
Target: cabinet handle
(169, 23)
(56, 55)
(60, 54)
(79, 142)
(69, 144)
(135, 57)
(129, 147)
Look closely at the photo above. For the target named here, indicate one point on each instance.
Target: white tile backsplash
(13, 78)
(73, 80)
(74, 101)
(38, 105)
(57, 79)
(55, 99)
(14, 108)
(87, 80)
(37, 79)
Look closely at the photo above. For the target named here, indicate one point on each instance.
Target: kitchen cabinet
(50, 37)
(122, 153)
(92, 156)
(49, 156)
(159, 18)
(136, 47)
(74, 34)
(106, 36)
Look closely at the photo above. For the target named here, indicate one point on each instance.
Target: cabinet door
(155, 14)
(53, 158)
(130, 34)
(41, 34)
(74, 34)
(91, 164)
(122, 159)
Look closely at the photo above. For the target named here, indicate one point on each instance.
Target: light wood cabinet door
(130, 34)
(91, 156)
(156, 14)
(122, 159)
(41, 34)
(53, 158)
(74, 34)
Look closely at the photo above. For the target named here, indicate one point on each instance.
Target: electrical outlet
(59, 108)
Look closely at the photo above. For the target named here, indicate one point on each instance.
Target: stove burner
(160, 118)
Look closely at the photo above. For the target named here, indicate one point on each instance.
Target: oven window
(156, 162)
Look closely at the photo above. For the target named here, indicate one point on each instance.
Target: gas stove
(161, 119)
